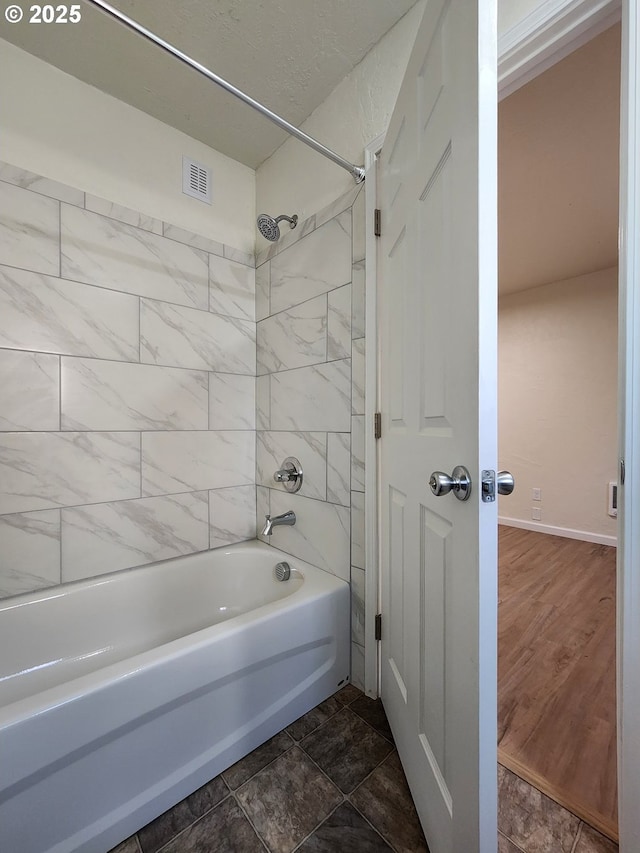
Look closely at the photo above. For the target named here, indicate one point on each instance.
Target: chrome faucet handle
(289, 474)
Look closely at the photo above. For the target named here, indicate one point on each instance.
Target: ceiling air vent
(196, 180)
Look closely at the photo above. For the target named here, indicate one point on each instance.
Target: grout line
(309, 498)
(120, 500)
(299, 304)
(322, 822)
(130, 363)
(577, 838)
(273, 760)
(517, 846)
(209, 282)
(60, 544)
(209, 403)
(269, 290)
(113, 289)
(384, 737)
(326, 468)
(193, 822)
(374, 828)
(59, 239)
(251, 824)
(326, 329)
(305, 367)
(102, 431)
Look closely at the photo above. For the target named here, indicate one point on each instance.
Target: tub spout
(271, 522)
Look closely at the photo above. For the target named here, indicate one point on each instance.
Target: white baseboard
(567, 532)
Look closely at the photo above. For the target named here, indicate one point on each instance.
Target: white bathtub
(122, 694)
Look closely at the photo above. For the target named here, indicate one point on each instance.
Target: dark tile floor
(332, 782)
(530, 822)
(329, 783)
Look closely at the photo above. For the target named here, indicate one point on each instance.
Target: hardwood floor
(557, 670)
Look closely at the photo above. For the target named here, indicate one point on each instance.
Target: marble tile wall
(127, 387)
(310, 403)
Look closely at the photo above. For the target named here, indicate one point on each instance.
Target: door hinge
(378, 626)
(377, 425)
(377, 218)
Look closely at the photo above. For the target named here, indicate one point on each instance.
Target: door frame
(628, 563)
(546, 35)
(372, 456)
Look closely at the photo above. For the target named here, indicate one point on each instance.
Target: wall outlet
(536, 513)
(536, 494)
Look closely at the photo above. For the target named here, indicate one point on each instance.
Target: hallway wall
(558, 403)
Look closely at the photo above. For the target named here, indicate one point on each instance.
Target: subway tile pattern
(30, 540)
(175, 461)
(127, 387)
(293, 338)
(40, 312)
(232, 515)
(310, 393)
(185, 337)
(29, 391)
(42, 470)
(316, 397)
(122, 214)
(274, 447)
(317, 264)
(115, 395)
(107, 537)
(36, 183)
(109, 253)
(129, 349)
(232, 288)
(29, 228)
(232, 401)
(320, 535)
(338, 467)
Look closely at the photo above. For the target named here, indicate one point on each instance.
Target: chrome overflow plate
(283, 571)
(289, 474)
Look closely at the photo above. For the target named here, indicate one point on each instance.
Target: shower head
(268, 226)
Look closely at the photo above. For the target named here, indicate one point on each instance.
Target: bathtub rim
(314, 586)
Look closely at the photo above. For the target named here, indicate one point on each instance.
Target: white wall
(558, 400)
(295, 179)
(59, 127)
(512, 12)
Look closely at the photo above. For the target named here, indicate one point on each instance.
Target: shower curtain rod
(357, 172)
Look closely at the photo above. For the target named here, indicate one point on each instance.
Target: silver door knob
(505, 482)
(459, 483)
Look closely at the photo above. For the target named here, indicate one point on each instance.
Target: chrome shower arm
(357, 172)
(292, 220)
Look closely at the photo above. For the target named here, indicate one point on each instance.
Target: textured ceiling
(287, 54)
(558, 169)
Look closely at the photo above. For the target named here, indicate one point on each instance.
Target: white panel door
(438, 318)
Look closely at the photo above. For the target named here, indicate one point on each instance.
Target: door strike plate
(488, 486)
